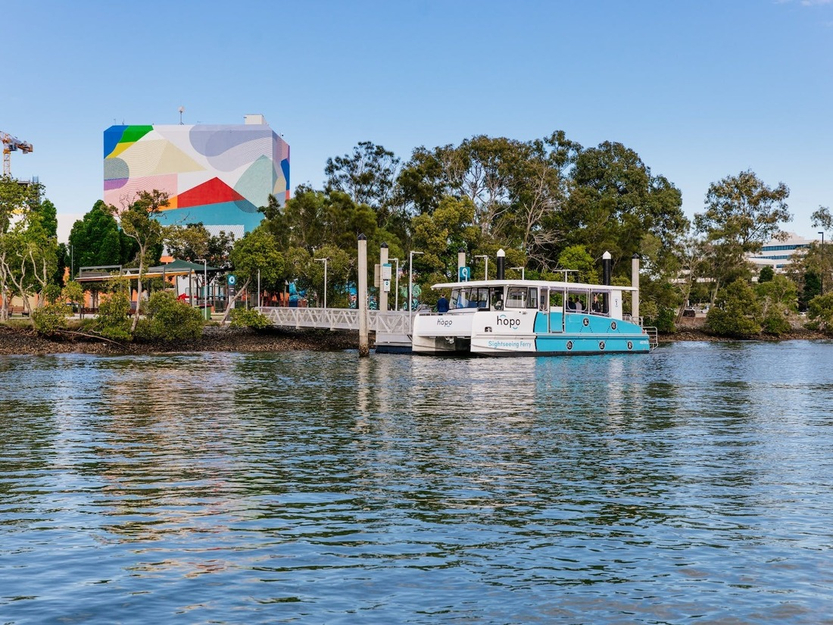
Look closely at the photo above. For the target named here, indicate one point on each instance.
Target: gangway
(392, 328)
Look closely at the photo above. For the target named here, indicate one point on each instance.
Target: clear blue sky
(701, 89)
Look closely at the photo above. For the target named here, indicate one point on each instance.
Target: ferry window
(545, 299)
(480, 298)
(577, 301)
(457, 298)
(532, 301)
(516, 297)
(556, 299)
(497, 299)
(599, 303)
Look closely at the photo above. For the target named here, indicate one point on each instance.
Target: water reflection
(321, 487)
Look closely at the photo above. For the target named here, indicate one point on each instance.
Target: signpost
(464, 273)
(231, 281)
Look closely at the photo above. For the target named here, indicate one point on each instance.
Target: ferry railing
(653, 335)
(390, 322)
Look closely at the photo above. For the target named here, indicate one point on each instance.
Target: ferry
(530, 317)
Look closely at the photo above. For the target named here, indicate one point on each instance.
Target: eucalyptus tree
(138, 221)
(540, 184)
(618, 205)
(742, 213)
(477, 169)
(28, 243)
(368, 176)
(441, 234)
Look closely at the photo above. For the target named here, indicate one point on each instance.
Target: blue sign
(463, 274)
(231, 279)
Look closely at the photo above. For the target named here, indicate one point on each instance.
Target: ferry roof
(579, 286)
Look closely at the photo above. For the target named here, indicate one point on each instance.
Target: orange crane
(12, 144)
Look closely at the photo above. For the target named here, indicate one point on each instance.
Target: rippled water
(690, 485)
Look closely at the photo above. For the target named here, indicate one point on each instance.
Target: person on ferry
(442, 305)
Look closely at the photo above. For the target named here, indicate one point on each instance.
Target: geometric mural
(215, 174)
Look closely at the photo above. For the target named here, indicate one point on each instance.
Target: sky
(700, 89)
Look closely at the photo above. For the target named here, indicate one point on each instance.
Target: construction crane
(12, 144)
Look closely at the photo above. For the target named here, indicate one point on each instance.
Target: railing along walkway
(391, 322)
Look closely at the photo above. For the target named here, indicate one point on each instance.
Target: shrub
(735, 312)
(820, 313)
(50, 319)
(775, 321)
(169, 319)
(242, 318)
(113, 320)
(664, 320)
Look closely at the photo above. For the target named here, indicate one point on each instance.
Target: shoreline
(22, 341)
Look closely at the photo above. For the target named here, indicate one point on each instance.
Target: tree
(367, 176)
(96, 240)
(256, 251)
(576, 258)
(20, 201)
(138, 221)
(340, 266)
(170, 319)
(822, 218)
(539, 187)
(735, 312)
(766, 274)
(778, 298)
(618, 205)
(440, 236)
(820, 313)
(742, 213)
(113, 319)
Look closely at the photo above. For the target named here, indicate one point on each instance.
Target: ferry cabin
(516, 317)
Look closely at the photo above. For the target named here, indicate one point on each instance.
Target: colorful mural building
(217, 175)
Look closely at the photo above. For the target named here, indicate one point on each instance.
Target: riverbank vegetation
(550, 203)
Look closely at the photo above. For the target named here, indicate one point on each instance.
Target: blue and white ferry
(530, 317)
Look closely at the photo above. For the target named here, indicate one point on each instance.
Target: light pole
(486, 271)
(396, 303)
(821, 280)
(324, 260)
(71, 260)
(411, 280)
(205, 280)
(522, 272)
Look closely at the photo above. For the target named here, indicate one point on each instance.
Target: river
(689, 485)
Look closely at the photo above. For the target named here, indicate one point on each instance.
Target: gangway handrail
(336, 319)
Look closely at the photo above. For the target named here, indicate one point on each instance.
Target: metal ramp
(392, 328)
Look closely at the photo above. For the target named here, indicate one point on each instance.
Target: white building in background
(779, 254)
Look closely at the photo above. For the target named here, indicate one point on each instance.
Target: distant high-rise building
(215, 175)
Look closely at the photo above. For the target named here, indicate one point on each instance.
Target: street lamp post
(411, 280)
(205, 280)
(486, 266)
(324, 260)
(523, 273)
(821, 280)
(396, 302)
